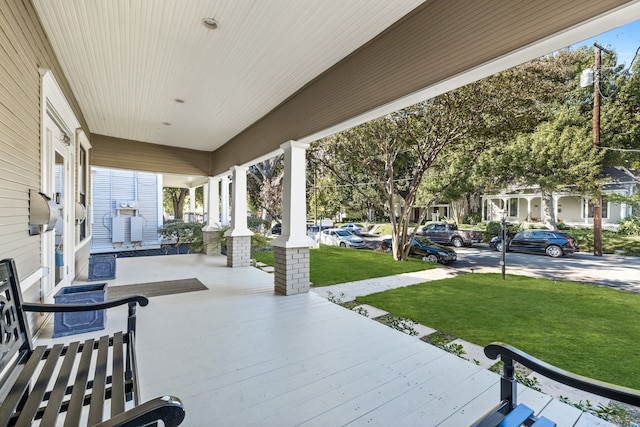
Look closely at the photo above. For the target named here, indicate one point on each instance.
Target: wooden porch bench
(508, 413)
(93, 383)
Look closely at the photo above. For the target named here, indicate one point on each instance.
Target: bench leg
(508, 384)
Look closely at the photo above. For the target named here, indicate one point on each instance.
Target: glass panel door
(59, 195)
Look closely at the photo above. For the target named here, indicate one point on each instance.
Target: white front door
(57, 163)
(58, 245)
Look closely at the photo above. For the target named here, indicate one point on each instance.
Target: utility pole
(597, 206)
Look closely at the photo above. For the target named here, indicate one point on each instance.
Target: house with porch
(207, 88)
(524, 204)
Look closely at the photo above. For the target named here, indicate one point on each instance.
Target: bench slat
(99, 382)
(80, 386)
(40, 387)
(13, 399)
(117, 386)
(60, 387)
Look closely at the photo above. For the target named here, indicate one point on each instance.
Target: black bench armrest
(510, 354)
(65, 308)
(167, 409)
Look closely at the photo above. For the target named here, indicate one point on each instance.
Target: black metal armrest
(509, 354)
(167, 409)
(64, 308)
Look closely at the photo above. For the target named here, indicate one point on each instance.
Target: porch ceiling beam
(110, 152)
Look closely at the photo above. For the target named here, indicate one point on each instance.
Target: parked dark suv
(552, 243)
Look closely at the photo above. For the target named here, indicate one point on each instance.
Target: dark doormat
(154, 289)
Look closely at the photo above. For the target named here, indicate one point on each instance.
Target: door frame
(55, 108)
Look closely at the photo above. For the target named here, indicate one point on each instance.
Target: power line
(360, 184)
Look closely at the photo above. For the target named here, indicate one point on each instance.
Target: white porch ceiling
(128, 61)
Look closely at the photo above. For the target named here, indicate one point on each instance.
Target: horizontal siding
(147, 189)
(111, 186)
(24, 49)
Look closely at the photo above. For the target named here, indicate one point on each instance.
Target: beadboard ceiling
(148, 70)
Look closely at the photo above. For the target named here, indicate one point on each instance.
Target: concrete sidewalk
(351, 290)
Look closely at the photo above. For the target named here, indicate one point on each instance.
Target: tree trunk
(548, 218)
(458, 210)
(178, 203)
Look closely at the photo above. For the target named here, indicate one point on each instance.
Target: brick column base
(238, 251)
(211, 240)
(291, 275)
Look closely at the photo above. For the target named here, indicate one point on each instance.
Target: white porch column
(556, 198)
(585, 209)
(529, 198)
(211, 232)
(225, 201)
(239, 236)
(192, 204)
(291, 248)
(213, 203)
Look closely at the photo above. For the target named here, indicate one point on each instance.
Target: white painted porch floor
(240, 355)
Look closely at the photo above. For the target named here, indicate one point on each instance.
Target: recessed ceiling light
(179, 101)
(210, 23)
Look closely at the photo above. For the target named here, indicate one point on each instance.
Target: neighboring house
(126, 210)
(524, 204)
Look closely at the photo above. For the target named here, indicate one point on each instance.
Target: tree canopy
(439, 140)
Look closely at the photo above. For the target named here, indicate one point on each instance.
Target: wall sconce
(43, 213)
(81, 213)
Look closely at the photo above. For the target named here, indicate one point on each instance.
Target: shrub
(494, 229)
(257, 224)
(260, 243)
(630, 226)
(179, 232)
(474, 218)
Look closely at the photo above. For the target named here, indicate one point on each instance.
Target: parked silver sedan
(340, 237)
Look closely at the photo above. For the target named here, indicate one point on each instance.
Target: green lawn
(332, 264)
(590, 330)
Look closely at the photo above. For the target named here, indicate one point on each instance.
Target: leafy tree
(558, 152)
(265, 188)
(433, 140)
(173, 199)
(620, 115)
(324, 197)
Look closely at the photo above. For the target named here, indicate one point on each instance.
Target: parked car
(276, 229)
(353, 228)
(553, 243)
(427, 250)
(340, 237)
(448, 234)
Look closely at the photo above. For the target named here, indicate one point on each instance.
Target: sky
(624, 41)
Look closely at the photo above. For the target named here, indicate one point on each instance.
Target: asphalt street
(617, 271)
